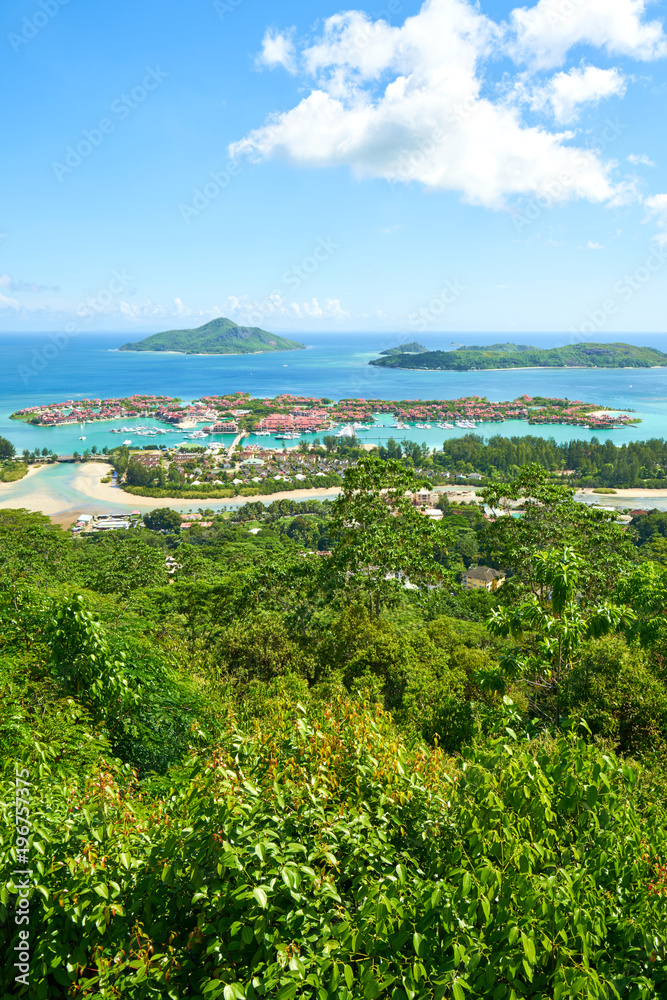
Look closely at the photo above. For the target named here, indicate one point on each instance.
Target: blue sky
(301, 167)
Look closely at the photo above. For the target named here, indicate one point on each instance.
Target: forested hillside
(286, 754)
(499, 356)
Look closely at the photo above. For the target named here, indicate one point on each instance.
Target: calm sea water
(35, 369)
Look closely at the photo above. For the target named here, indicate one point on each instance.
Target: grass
(604, 489)
(11, 472)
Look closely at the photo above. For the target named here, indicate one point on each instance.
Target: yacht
(127, 441)
(82, 439)
(346, 432)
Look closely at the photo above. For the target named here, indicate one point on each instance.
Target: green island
(386, 748)
(411, 348)
(502, 356)
(220, 336)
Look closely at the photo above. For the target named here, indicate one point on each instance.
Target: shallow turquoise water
(335, 365)
(34, 369)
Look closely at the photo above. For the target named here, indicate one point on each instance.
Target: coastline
(523, 368)
(63, 502)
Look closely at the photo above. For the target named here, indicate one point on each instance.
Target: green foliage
(382, 540)
(7, 450)
(522, 356)
(320, 857)
(219, 336)
(119, 563)
(163, 519)
(279, 772)
(615, 690)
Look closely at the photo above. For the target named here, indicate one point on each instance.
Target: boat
(82, 439)
(448, 427)
(346, 432)
(428, 427)
(127, 441)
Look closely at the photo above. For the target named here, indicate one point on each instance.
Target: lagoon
(335, 365)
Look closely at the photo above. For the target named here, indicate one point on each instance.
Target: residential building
(483, 576)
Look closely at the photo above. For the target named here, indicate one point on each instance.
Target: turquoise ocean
(42, 368)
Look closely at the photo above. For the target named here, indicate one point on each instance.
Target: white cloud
(640, 160)
(594, 246)
(657, 210)
(254, 312)
(153, 310)
(566, 92)
(545, 33)
(8, 303)
(277, 50)
(409, 104)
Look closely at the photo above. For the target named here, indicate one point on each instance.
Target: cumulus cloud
(544, 34)
(253, 312)
(154, 310)
(640, 159)
(6, 281)
(592, 245)
(277, 50)
(566, 93)
(411, 103)
(8, 303)
(657, 210)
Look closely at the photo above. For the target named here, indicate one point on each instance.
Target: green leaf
(213, 988)
(260, 896)
(287, 992)
(102, 891)
(234, 991)
(528, 948)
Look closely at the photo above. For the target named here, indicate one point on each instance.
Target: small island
(220, 336)
(411, 348)
(503, 356)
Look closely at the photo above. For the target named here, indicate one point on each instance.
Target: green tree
(550, 518)
(550, 628)
(7, 449)
(382, 541)
(163, 519)
(120, 562)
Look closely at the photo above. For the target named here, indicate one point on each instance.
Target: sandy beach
(64, 494)
(633, 492)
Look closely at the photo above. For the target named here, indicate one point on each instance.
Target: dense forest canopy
(495, 356)
(285, 753)
(219, 336)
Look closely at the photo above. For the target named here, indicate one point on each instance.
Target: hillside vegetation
(411, 348)
(220, 336)
(304, 762)
(495, 356)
